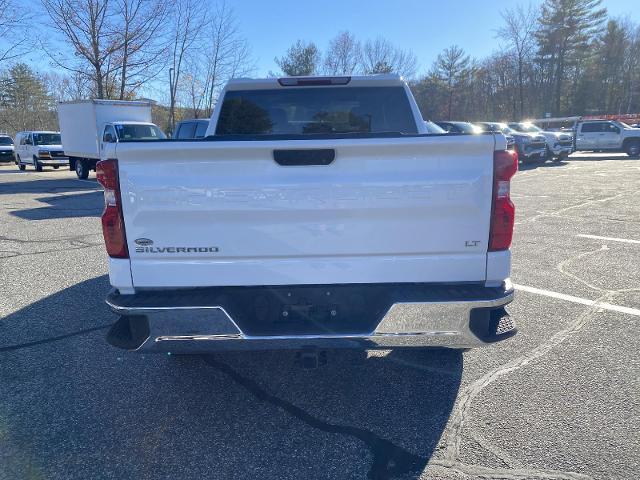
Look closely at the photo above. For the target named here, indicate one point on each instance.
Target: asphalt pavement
(561, 400)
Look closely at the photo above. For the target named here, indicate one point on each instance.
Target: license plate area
(307, 310)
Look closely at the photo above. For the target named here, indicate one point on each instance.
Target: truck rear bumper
(323, 316)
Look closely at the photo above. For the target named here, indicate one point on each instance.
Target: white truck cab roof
(27, 132)
(128, 122)
(382, 80)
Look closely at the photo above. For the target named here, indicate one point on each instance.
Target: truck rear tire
(632, 148)
(82, 170)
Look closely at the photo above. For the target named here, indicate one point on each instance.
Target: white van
(7, 152)
(39, 148)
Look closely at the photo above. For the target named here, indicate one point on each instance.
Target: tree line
(565, 57)
(561, 57)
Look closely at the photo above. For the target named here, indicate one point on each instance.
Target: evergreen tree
(301, 59)
(26, 104)
(566, 30)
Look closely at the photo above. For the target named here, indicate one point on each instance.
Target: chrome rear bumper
(437, 316)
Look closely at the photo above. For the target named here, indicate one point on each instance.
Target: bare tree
(13, 37)
(228, 54)
(187, 22)
(66, 87)
(518, 31)
(85, 24)
(380, 56)
(138, 24)
(193, 87)
(344, 55)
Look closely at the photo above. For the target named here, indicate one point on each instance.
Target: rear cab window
(316, 111)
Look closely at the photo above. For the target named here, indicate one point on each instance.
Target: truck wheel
(82, 171)
(36, 165)
(21, 165)
(632, 149)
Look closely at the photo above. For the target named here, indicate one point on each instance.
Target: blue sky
(424, 26)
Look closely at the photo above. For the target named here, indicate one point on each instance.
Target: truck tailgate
(207, 213)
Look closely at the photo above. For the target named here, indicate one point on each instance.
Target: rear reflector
(112, 221)
(505, 166)
(312, 81)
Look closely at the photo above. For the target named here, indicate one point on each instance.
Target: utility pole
(171, 101)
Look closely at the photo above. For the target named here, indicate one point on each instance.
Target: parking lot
(561, 400)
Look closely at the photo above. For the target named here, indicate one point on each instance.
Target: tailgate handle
(315, 156)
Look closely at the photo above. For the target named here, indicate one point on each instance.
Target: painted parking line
(581, 301)
(610, 239)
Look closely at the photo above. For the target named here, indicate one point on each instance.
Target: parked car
(90, 128)
(497, 127)
(607, 136)
(559, 144)
(186, 129)
(433, 128)
(40, 149)
(459, 127)
(288, 227)
(530, 146)
(7, 150)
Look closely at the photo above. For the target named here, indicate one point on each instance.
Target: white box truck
(91, 128)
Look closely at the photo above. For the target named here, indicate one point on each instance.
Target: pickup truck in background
(607, 136)
(91, 128)
(559, 144)
(188, 129)
(318, 212)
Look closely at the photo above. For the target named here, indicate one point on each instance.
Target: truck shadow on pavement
(72, 406)
(89, 204)
(49, 185)
(534, 165)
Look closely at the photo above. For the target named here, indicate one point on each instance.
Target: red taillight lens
(505, 166)
(112, 221)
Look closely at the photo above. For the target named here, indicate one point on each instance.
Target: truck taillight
(505, 166)
(112, 220)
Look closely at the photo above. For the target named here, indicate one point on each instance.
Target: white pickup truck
(609, 136)
(318, 212)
